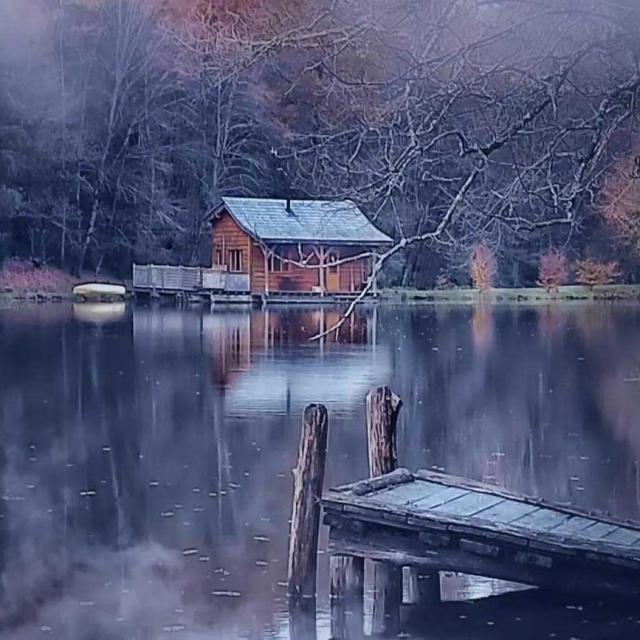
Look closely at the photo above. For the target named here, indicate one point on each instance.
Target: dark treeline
(453, 122)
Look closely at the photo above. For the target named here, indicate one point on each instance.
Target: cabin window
(333, 267)
(217, 260)
(235, 260)
(277, 263)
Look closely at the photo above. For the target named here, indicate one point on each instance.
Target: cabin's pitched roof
(318, 221)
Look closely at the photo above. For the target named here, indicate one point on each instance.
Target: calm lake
(146, 454)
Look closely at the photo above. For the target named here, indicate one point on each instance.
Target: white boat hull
(99, 290)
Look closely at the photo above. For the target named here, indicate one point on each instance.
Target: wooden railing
(169, 278)
(214, 279)
(236, 282)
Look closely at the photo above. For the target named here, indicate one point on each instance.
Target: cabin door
(332, 274)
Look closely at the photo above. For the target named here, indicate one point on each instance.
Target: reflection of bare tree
(530, 413)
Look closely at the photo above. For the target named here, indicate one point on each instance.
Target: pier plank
(597, 531)
(541, 519)
(407, 493)
(446, 494)
(506, 512)
(573, 526)
(622, 536)
(469, 503)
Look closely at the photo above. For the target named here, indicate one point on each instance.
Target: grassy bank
(23, 280)
(7, 295)
(524, 295)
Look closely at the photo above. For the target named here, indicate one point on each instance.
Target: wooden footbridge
(428, 522)
(438, 522)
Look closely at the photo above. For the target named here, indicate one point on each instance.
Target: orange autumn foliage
(482, 267)
(620, 200)
(251, 17)
(222, 35)
(553, 271)
(592, 273)
(482, 326)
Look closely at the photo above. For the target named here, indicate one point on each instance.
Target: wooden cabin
(295, 246)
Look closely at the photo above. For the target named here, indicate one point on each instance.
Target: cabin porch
(218, 284)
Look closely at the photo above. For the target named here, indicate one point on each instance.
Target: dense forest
(509, 125)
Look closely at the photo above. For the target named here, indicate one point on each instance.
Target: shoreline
(523, 295)
(35, 296)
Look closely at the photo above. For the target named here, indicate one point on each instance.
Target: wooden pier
(442, 523)
(428, 522)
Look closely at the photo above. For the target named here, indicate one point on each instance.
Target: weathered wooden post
(423, 587)
(347, 597)
(383, 409)
(302, 622)
(305, 516)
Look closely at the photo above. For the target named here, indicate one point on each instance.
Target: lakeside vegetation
(23, 281)
(568, 293)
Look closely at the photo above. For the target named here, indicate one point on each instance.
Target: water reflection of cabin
(295, 246)
(237, 337)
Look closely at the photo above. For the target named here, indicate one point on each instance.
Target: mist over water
(146, 454)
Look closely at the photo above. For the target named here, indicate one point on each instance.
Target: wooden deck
(218, 285)
(174, 279)
(438, 522)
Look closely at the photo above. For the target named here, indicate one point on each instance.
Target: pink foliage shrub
(553, 271)
(22, 275)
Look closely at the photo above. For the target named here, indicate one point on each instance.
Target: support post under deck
(347, 597)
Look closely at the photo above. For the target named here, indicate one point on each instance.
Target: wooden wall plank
(227, 236)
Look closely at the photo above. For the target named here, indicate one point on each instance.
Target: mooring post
(347, 597)
(302, 623)
(308, 479)
(383, 409)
